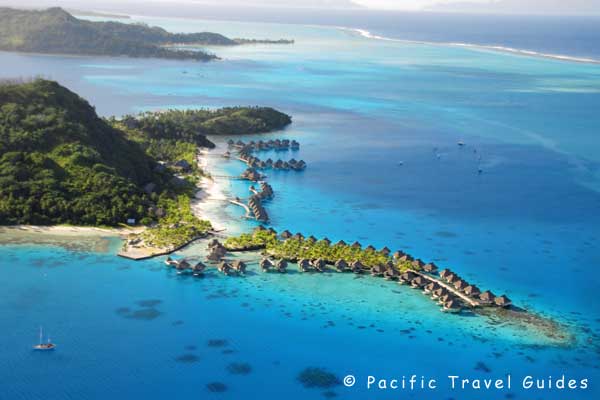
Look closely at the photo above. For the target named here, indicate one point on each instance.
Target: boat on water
(44, 346)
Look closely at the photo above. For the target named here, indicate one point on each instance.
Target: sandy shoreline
(210, 194)
(69, 230)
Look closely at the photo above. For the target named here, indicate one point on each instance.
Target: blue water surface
(515, 210)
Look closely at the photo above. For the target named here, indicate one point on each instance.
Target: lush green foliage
(178, 227)
(294, 249)
(194, 125)
(60, 163)
(56, 31)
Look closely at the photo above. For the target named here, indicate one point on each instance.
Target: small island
(55, 31)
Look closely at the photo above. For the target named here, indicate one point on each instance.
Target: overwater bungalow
(326, 241)
(472, 291)
(369, 248)
(446, 298)
(286, 234)
(239, 266)
(269, 162)
(356, 245)
(265, 264)
(460, 285)
(391, 274)
(418, 282)
(198, 269)
(502, 301)
(357, 267)
(451, 278)
(319, 265)
(431, 287)
(292, 162)
(417, 264)
(341, 243)
(406, 258)
(487, 297)
(300, 165)
(430, 268)
(341, 265)
(281, 265)
(278, 164)
(377, 270)
(170, 262)
(311, 239)
(444, 273)
(440, 292)
(295, 144)
(303, 265)
(407, 277)
(183, 266)
(285, 165)
(452, 306)
(398, 254)
(385, 251)
(225, 268)
(299, 236)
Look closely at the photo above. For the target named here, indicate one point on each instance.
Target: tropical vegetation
(56, 31)
(296, 248)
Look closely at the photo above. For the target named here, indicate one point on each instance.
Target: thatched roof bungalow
(303, 265)
(419, 282)
(430, 268)
(377, 270)
(472, 291)
(487, 297)
(239, 266)
(452, 306)
(502, 301)
(265, 264)
(341, 265)
(407, 277)
(281, 265)
(357, 267)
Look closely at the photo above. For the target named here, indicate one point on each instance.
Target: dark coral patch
(313, 377)
(239, 368)
(187, 358)
(216, 387)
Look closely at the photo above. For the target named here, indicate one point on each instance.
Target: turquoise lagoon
(379, 123)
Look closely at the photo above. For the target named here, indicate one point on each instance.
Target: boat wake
(530, 53)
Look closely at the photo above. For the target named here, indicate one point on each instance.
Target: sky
(484, 6)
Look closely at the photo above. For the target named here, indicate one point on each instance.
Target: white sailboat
(44, 346)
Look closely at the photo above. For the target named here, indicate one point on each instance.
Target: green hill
(56, 31)
(61, 163)
(194, 125)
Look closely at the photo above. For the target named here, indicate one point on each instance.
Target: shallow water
(527, 225)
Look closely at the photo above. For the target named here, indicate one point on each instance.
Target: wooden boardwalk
(466, 299)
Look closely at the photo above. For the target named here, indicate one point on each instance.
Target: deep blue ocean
(379, 122)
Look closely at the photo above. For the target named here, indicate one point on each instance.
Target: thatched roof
(408, 276)
(460, 284)
(378, 269)
(452, 305)
(239, 265)
(341, 243)
(398, 254)
(430, 267)
(385, 250)
(472, 290)
(369, 247)
(487, 296)
(281, 264)
(286, 234)
(356, 245)
(265, 263)
(502, 301)
(341, 264)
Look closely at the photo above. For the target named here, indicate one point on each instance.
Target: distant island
(62, 164)
(55, 31)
